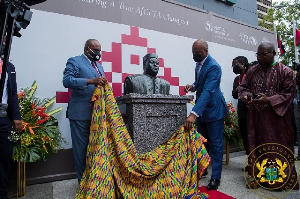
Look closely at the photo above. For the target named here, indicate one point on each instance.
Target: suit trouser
(214, 133)
(80, 132)
(6, 150)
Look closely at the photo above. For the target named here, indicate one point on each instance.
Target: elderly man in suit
(82, 74)
(11, 121)
(210, 108)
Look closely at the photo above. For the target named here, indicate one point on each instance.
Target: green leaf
(54, 111)
(50, 102)
(32, 89)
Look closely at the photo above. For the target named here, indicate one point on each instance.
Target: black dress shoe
(213, 184)
(205, 172)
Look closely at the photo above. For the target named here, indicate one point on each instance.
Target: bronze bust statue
(147, 83)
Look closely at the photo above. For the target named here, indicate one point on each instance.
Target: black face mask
(95, 55)
(236, 69)
(198, 57)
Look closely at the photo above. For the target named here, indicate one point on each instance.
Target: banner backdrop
(127, 30)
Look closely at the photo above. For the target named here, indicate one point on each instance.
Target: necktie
(198, 68)
(94, 66)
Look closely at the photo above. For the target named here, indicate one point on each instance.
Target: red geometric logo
(116, 76)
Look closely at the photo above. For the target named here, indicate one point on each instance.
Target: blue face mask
(197, 57)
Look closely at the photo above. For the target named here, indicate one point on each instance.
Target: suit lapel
(89, 65)
(203, 69)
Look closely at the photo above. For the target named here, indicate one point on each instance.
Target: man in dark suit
(210, 108)
(11, 121)
(82, 74)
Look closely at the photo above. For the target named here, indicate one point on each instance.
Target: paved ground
(232, 183)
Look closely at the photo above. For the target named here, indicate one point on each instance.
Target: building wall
(127, 30)
(244, 10)
(262, 7)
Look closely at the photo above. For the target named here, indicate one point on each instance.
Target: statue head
(151, 64)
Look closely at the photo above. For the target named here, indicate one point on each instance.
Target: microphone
(249, 96)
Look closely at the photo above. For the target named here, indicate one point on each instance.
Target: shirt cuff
(193, 112)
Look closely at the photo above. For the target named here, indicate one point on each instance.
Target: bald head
(92, 49)
(201, 43)
(200, 50)
(90, 42)
(267, 46)
(265, 54)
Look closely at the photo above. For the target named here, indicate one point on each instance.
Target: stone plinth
(152, 119)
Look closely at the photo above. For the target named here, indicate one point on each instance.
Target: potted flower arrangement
(231, 126)
(41, 136)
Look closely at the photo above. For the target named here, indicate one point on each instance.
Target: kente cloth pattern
(114, 169)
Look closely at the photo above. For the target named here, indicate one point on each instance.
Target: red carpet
(214, 194)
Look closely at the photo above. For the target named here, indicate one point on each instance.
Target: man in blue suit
(210, 108)
(82, 74)
(11, 121)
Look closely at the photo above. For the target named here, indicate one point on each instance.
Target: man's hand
(188, 88)
(247, 100)
(97, 81)
(256, 99)
(189, 122)
(262, 100)
(18, 126)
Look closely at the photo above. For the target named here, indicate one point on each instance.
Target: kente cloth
(270, 123)
(114, 169)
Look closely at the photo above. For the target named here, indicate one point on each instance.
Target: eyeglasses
(262, 53)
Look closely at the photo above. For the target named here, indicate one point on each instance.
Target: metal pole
(296, 48)
(275, 30)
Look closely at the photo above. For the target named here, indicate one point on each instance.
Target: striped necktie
(94, 66)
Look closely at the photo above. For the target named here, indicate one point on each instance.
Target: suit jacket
(210, 103)
(78, 70)
(13, 109)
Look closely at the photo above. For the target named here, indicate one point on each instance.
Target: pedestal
(152, 119)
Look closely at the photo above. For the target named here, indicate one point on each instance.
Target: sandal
(252, 185)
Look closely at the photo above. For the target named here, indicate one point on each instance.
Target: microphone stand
(14, 15)
(7, 27)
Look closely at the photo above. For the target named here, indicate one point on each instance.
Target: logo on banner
(265, 39)
(219, 31)
(248, 39)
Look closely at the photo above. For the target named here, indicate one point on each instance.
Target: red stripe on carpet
(214, 194)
